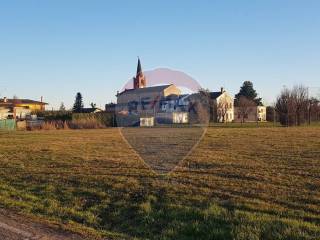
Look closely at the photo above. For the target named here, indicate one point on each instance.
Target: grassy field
(162, 149)
(239, 183)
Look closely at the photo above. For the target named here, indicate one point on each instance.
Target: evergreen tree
(78, 104)
(247, 91)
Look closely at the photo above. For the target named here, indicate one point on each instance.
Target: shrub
(86, 123)
(93, 120)
(55, 115)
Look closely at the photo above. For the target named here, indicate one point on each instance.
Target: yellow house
(34, 106)
(30, 105)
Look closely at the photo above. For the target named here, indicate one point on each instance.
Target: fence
(7, 124)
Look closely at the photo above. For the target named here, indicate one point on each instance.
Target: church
(147, 106)
(142, 100)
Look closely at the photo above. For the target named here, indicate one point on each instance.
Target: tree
(283, 107)
(62, 107)
(223, 106)
(247, 91)
(205, 102)
(245, 107)
(204, 106)
(271, 115)
(314, 110)
(78, 103)
(300, 97)
(199, 107)
(293, 105)
(93, 105)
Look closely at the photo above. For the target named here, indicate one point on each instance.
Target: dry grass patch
(240, 183)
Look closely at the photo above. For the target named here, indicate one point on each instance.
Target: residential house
(19, 108)
(251, 114)
(222, 106)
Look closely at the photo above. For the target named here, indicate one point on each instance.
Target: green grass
(239, 183)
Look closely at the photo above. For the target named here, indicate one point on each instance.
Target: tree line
(294, 106)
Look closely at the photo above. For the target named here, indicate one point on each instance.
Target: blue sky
(56, 48)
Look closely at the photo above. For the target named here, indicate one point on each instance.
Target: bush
(92, 120)
(54, 120)
(55, 115)
(54, 125)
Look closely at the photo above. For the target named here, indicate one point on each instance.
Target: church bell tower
(140, 80)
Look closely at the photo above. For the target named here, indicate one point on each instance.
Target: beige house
(222, 109)
(250, 114)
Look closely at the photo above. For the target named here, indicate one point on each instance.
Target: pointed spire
(139, 68)
(139, 81)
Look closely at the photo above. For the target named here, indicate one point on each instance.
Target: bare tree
(199, 106)
(314, 110)
(245, 107)
(292, 105)
(204, 106)
(223, 106)
(282, 106)
(300, 102)
(203, 113)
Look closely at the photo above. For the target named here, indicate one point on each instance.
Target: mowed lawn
(239, 183)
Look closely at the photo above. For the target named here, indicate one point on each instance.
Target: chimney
(5, 99)
(41, 99)
(222, 90)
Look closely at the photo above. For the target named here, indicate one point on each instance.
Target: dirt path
(15, 227)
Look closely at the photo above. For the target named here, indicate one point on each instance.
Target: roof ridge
(146, 88)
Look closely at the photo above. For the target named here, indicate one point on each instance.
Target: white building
(222, 106)
(251, 114)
